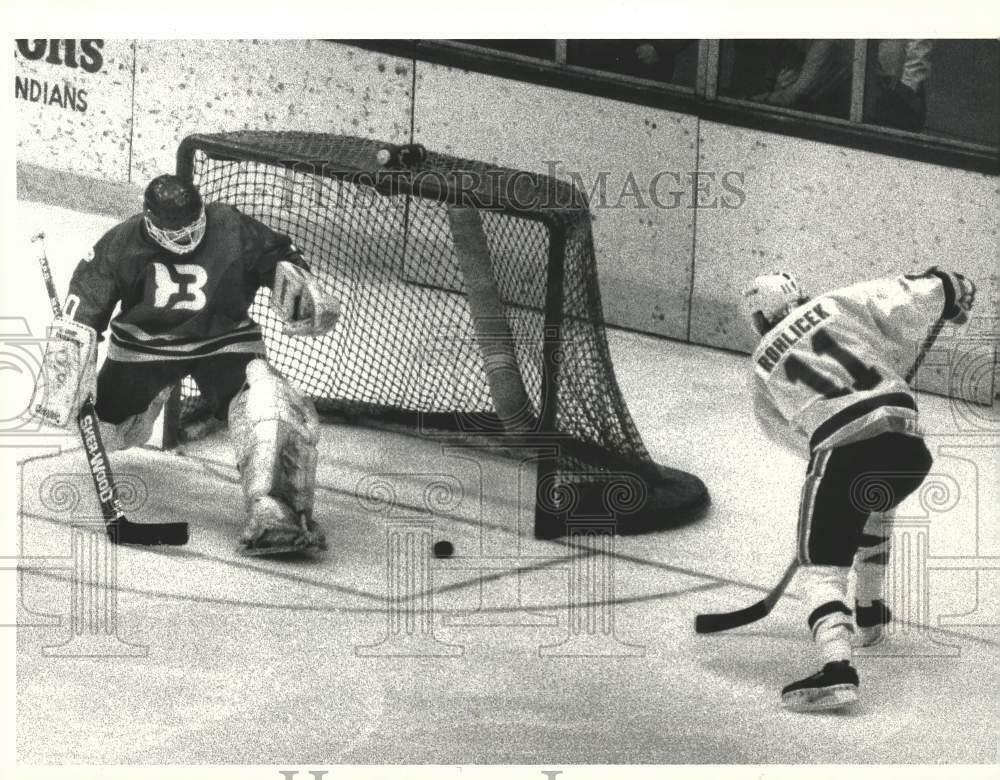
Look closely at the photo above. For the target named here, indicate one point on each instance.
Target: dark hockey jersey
(175, 307)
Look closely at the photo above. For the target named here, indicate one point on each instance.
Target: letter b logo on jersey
(179, 286)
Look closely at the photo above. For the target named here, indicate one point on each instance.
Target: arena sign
(76, 54)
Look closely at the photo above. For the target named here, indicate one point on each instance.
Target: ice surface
(481, 658)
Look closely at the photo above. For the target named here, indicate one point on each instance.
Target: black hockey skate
(871, 622)
(835, 686)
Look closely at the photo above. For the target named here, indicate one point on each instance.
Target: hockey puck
(443, 549)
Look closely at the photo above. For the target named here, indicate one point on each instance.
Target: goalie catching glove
(69, 372)
(300, 302)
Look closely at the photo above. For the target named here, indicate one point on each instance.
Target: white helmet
(769, 298)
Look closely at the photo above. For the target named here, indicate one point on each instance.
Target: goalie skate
(273, 529)
(835, 686)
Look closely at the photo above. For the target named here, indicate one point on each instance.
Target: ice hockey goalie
(185, 274)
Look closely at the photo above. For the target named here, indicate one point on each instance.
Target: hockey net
(408, 348)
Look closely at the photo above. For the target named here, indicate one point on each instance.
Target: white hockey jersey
(833, 368)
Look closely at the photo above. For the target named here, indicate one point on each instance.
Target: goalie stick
(712, 622)
(119, 528)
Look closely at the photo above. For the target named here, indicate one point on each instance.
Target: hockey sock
(830, 620)
(832, 632)
(870, 561)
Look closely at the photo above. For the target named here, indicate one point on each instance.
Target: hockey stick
(119, 528)
(712, 622)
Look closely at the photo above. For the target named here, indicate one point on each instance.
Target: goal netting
(470, 306)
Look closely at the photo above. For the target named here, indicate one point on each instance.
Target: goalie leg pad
(275, 431)
(69, 372)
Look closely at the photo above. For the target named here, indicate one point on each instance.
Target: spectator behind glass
(648, 59)
(814, 76)
(659, 58)
(902, 68)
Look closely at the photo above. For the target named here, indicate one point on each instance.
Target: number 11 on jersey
(863, 377)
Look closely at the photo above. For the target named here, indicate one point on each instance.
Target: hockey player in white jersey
(830, 371)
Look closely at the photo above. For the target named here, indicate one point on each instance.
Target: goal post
(470, 306)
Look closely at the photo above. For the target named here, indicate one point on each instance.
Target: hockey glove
(300, 302)
(959, 295)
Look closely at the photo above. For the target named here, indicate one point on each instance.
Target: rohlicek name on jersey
(779, 344)
(833, 372)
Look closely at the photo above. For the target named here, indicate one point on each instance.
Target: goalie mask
(174, 214)
(769, 299)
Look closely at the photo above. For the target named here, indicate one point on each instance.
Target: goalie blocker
(118, 527)
(68, 372)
